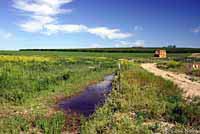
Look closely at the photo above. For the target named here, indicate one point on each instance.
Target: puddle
(93, 97)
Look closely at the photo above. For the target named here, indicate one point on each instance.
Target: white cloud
(95, 45)
(43, 19)
(42, 7)
(137, 43)
(31, 26)
(138, 28)
(102, 32)
(105, 32)
(124, 44)
(5, 35)
(196, 30)
(40, 12)
(37, 23)
(67, 28)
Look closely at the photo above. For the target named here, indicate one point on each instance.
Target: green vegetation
(88, 55)
(32, 82)
(181, 67)
(195, 72)
(40, 124)
(144, 104)
(21, 80)
(171, 65)
(30, 87)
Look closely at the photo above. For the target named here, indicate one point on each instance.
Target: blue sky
(98, 23)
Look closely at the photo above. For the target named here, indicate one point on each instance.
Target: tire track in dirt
(181, 80)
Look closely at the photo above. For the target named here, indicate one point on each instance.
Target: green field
(92, 54)
(33, 82)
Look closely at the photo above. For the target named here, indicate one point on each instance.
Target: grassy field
(32, 82)
(92, 54)
(144, 104)
(31, 85)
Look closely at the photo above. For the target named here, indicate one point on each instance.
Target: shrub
(169, 65)
(195, 72)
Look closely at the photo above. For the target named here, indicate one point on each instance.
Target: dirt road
(189, 87)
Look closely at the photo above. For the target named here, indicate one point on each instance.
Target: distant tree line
(169, 49)
(171, 46)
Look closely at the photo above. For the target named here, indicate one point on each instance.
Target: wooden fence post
(119, 76)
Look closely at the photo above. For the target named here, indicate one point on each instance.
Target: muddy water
(92, 97)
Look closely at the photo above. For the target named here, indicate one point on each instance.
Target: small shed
(160, 53)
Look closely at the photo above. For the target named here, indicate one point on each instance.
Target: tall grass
(46, 125)
(21, 80)
(30, 89)
(142, 100)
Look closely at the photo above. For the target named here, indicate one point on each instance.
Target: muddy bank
(92, 97)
